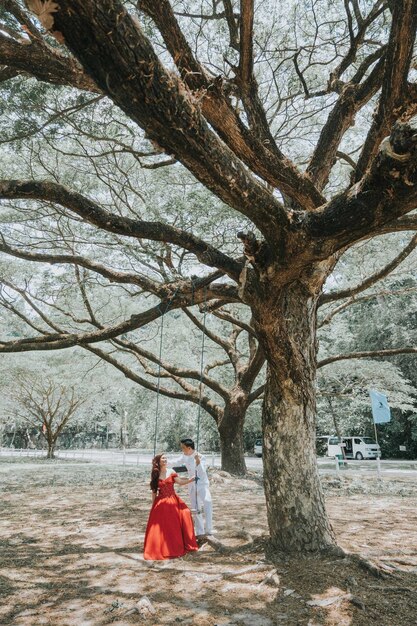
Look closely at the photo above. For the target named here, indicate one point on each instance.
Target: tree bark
(51, 450)
(286, 327)
(231, 437)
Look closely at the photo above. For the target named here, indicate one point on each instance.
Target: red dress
(170, 529)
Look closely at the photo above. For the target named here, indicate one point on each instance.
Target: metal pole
(378, 460)
(378, 467)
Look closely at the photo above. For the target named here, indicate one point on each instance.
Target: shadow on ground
(71, 541)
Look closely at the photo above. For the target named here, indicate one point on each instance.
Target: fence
(125, 456)
(376, 466)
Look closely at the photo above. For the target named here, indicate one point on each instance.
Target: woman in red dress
(170, 530)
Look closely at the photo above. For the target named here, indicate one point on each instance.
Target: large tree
(223, 123)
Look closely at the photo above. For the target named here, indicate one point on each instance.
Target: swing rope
(201, 367)
(160, 366)
(158, 386)
(200, 394)
(197, 511)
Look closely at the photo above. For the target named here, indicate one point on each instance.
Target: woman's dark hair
(156, 470)
(188, 442)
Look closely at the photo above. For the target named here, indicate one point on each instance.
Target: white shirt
(192, 467)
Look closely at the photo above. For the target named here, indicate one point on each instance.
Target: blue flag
(380, 408)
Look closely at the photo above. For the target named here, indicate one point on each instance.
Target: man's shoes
(201, 540)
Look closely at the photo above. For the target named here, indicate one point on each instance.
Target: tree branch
(353, 96)
(246, 42)
(342, 116)
(248, 85)
(408, 222)
(255, 395)
(364, 355)
(62, 259)
(215, 338)
(384, 293)
(357, 40)
(232, 24)
(225, 315)
(388, 191)
(44, 63)
(174, 371)
(57, 341)
(253, 368)
(264, 159)
(394, 84)
(93, 214)
(371, 280)
(206, 403)
(121, 60)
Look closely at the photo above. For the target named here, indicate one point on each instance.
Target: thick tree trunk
(231, 438)
(286, 328)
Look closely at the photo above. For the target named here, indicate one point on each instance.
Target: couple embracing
(170, 532)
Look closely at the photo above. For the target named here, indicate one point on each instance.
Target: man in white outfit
(198, 491)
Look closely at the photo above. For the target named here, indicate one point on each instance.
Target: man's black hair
(188, 442)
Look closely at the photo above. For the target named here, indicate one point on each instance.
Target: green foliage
(384, 317)
(400, 432)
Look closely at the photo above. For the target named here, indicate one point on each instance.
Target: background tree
(47, 406)
(100, 386)
(369, 314)
(344, 404)
(224, 117)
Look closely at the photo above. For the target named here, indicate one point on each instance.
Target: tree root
(271, 578)
(245, 570)
(224, 549)
(278, 556)
(370, 567)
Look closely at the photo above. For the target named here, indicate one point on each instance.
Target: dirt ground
(71, 540)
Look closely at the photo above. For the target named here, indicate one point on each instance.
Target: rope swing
(158, 385)
(203, 333)
(161, 339)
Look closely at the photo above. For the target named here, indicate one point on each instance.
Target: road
(143, 457)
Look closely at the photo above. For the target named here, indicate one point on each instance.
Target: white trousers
(203, 518)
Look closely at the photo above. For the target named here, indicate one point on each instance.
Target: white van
(361, 448)
(355, 447)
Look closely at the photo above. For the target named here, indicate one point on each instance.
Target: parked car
(257, 448)
(334, 447)
(361, 448)
(355, 447)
